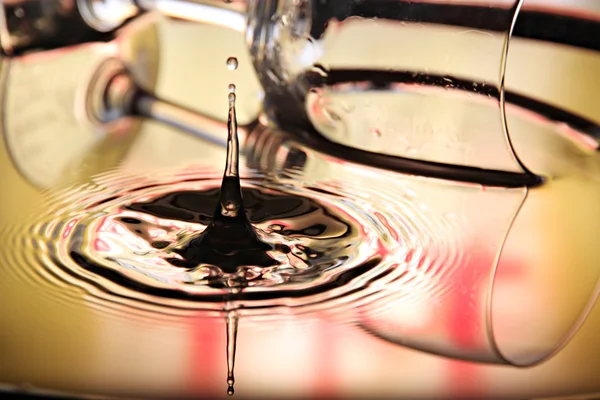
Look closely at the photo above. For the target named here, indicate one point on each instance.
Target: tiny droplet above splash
(231, 88)
(232, 63)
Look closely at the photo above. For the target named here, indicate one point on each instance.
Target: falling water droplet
(232, 326)
(232, 63)
(231, 88)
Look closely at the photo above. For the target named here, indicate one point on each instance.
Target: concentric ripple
(123, 240)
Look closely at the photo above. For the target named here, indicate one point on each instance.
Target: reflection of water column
(232, 327)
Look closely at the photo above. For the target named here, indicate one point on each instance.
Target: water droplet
(231, 88)
(232, 63)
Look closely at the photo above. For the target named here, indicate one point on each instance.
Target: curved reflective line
(428, 169)
(503, 63)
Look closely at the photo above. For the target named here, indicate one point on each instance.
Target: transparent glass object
(439, 65)
(407, 79)
(416, 81)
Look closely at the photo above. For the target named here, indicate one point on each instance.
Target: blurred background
(50, 343)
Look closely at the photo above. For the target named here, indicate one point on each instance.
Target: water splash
(230, 241)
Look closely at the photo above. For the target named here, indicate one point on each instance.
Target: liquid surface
(153, 240)
(211, 244)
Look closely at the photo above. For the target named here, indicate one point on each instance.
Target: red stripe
(208, 357)
(326, 381)
(466, 378)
